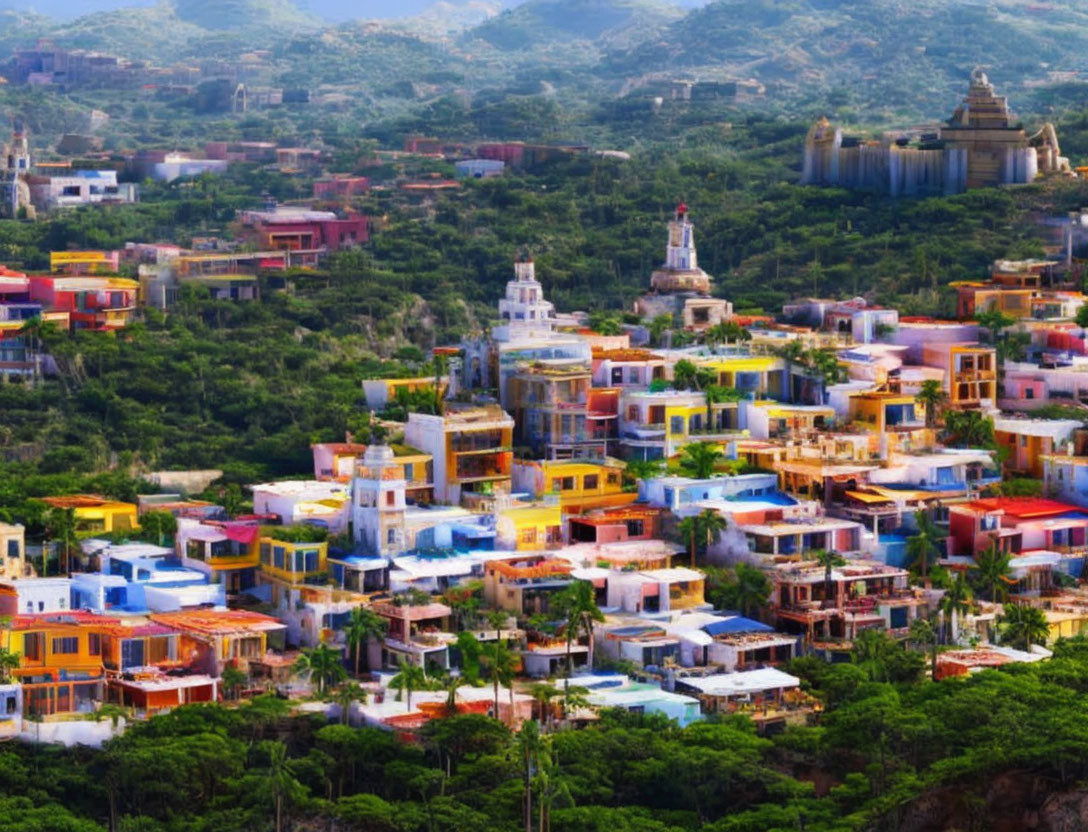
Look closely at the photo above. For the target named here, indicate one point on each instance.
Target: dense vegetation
(970, 754)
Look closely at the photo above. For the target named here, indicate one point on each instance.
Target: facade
(580, 486)
(472, 449)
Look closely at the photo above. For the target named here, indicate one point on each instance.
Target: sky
(331, 9)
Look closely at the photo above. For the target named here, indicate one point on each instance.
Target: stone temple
(981, 146)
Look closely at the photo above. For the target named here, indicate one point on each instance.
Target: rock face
(1015, 801)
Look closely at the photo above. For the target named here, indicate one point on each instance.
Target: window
(612, 478)
(13, 548)
(676, 424)
(566, 483)
(278, 555)
(9, 705)
(94, 644)
(34, 646)
(66, 646)
(590, 482)
(617, 375)
(391, 498)
(132, 653)
(409, 471)
(632, 413)
(266, 554)
(635, 528)
(391, 536)
(311, 560)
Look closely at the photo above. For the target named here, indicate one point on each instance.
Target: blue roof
(740, 624)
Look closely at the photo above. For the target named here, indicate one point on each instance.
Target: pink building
(1016, 524)
(91, 302)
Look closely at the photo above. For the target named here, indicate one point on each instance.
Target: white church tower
(378, 504)
(680, 272)
(524, 312)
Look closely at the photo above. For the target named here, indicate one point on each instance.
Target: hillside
(584, 26)
(882, 57)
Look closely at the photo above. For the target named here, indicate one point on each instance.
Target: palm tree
(828, 560)
(60, 527)
(9, 662)
(994, 321)
(956, 601)
(968, 429)
(658, 327)
(529, 746)
(931, 396)
(579, 609)
(992, 571)
(233, 678)
(501, 664)
(688, 532)
(1024, 626)
(322, 664)
(410, 677)
(749, 590)
(923, 633)
(871, 650)
(711, 525)
(543, 693)
(642, 469)
(158, 526)
(685, 375)
(605, 324)
(281, 781)
(346, 695)
(363, 625)
(451, 684)
(574, 696)
(924, 545)
(497, 619)
(699, 459)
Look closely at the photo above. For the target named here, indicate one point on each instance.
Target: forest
(892, 751)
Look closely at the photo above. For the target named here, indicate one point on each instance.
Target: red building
(91, 302)
(289, 229)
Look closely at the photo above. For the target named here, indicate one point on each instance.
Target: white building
(325, 504)
(377, 503)
(43, 594)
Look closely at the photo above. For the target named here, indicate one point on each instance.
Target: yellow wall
(287, 572)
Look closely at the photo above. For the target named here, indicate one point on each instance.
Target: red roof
(1025, 507)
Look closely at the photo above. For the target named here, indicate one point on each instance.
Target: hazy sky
(332, 9)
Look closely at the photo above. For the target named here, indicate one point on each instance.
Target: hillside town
(575, 512)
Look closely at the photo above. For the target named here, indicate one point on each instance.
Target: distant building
(980, 146)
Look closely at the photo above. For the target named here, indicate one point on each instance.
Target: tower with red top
(681, 272)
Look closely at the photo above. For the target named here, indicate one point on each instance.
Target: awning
(866, 497)
(739, 624)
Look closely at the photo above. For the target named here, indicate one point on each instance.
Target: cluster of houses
(518, 485)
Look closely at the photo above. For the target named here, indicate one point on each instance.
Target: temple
(981, 146)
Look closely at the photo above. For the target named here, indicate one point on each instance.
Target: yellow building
(12, 552)
(763, 375)
(580, 486)
(882, 412)
(96, 515)
(381, 392)
(292, 562)
(657, 425)
(530, 528)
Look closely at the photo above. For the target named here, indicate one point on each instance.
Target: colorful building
(529, 528)
(97, 515)
(472, 449)
(580, 486)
